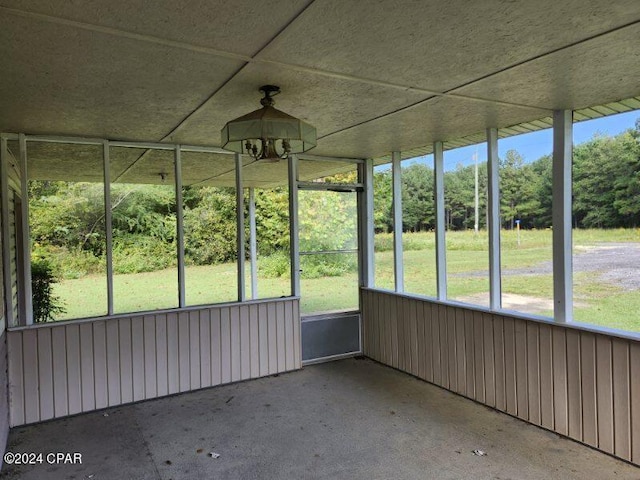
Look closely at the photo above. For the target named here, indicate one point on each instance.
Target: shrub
(45, 304)
(312, 266)
(327, 265)
(210, 226)
(275, 265)
(70, 264)
(141, 253)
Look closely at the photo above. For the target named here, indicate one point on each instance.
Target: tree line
(606, 190)
(67, 227)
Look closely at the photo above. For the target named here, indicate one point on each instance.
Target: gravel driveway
(615, 263)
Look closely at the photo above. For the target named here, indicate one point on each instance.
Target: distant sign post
(518, 230)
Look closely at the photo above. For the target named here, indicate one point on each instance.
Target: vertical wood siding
(63, 369)
(577, 383)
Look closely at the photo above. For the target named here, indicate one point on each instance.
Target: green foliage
(209, 226)
(383, 242)
(272, 220)
(144, 209)
(68, 215)
(311, 266)
(46, 305)
(382, 215)
(345, 177)
(69, 263)
(606, 190)
(330, 265)
(517, 190)
(607, 181)
(540, 217)
(276, 265)
(418, 206)
(328, 221)
(459, 197)
(68, 228)
(142, 253)
(418, 241)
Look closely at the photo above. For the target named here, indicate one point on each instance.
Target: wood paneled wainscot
(577, 383)
(63, 369)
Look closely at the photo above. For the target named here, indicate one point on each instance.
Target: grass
(86, 297)
(619, 310)
(467, 275)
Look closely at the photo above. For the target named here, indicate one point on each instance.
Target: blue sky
(534, 145)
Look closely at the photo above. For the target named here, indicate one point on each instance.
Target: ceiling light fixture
(268, 134)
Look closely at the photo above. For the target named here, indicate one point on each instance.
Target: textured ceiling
(372, 76)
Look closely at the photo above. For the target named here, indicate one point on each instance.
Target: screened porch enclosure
(453, 230)
(181, 214)
(184, 324)
(531, 367)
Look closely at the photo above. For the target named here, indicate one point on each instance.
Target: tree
(459, 193)
(418, 211)
(594, 176)
(328, 221)
(272, 220)
(382, 195)
(46, 305)
(542, 173)
(210, 226)
(517, 190)
(67, 214)
(627, 181)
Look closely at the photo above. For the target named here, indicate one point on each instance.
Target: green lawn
(467, 269)
(86, 297)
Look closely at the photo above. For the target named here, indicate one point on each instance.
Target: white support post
(242, 296)
(108, 224)
(396, 207)
(293, 225)
(561, 212)
(177, 164)
(26, 240)
(253, 244)
(6, 251)
(495, 279)
(441, 259)
(366, 221)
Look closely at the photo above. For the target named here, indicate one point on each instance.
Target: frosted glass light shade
(268, 123)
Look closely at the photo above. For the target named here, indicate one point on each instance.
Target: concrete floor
(351, 419)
